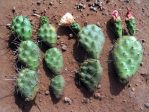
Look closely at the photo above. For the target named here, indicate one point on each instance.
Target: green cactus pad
(92, 39)
(131, 26)
(57, 85)
(27, 84)
(127, 54)
(47, 34)
(44, 20)
(75, 27)
(22, 27)
(54, 60)
(29, 54)
(118, 28)
(90, 73)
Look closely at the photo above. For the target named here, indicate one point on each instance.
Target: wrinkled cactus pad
(27, 84)
(54, 60)
(44, 20)
(47, 33)
(29, 54)
(75, 27)
(127, 54)
(90, 74)
(57, 85)
(22, 27)
(92, 39)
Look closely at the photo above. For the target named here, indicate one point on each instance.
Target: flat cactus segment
(54, 60)
(75, 27)
(92, 39)
(27, 84)
(127, 54)
(130, 23)
(90, 73)
(29, 54)
(57, 85)
(22, 27)
(47, 34)
(44, 20)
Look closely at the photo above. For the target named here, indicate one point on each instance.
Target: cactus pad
(44, 20)
(29, 54)
(47, 34)
(54, 60)
(27, 84)
(90, 74)
(75, 27)
(92, 39)
(127, 54)
(22, 27)
(57, 85)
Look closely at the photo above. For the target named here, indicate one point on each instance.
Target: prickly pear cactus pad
(44, 20)
(130, 23)
(47, 33)
(92, 39)
(54, 60)
(57, 85)
(118, 29)
(29, 54)
(90, 73)
(75, 27)
(22, 27)
(127, 54)
(27, 84)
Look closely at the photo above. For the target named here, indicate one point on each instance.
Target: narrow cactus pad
(90, 73)
(127, 54)
(27, 84)
(22, 27)
(92, 39)
(54, 60)
(44, 20)
(75, 27)
(48, 35)
(57, 85)
(29, 54)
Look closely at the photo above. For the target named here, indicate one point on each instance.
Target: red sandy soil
(115, 97)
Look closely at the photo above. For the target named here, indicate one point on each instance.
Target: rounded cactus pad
(29, 54)
(27, 84)
(90, 73)
(54, 60)
(92, 39)
(75, 27)
(44, 20)
(22, 27)
(127, 54)
(57, 85)
(47, 34)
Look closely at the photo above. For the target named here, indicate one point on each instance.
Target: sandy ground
(115, 97)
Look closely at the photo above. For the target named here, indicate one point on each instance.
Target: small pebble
(68, 100)
(64, 47)
(47, 92)
(70, 35)
(38, 2)
(13, 9)
(97, 96)
(146, 105)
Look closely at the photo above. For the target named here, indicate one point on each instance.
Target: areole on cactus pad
(27, 84)
(22, 27)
